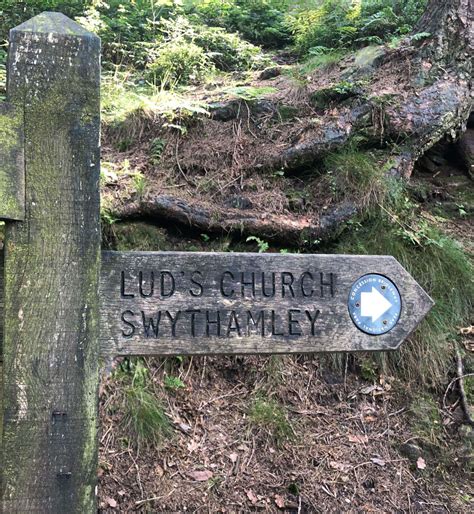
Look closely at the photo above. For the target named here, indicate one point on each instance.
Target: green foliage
(227, 50)
(126, 26)
(270, 416)
(128, 104)
(173, 383)
(261, 244)
(352, 172)
(259, 21)
(437, 262)
(348, 23)
(216, 47)
(178, 62)
(144, 417)
(14, 12)
(337, 93)
(322, 59)
(157, 147)
(140, 184)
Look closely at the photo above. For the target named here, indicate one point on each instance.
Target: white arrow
(373, 305)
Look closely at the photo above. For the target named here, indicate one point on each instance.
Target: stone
(270, 73)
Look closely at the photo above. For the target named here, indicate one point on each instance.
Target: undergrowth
(269, 416)
(356, 173)
(442, 268)
(143, 417)
(130, 105)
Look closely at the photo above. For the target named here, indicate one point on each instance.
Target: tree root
(273, 227)
(462, 391)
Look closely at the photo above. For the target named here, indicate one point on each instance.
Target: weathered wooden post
(52, 261)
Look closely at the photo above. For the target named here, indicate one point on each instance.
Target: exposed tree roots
(399, 102)
(283, 228)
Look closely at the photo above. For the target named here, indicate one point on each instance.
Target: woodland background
(323, 126)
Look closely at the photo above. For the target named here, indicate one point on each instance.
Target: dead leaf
(358, 439)
(193, 446)
(340, 466)
(379, 462)
(184, 427)
(111, 502)
(233, 457)
(251, 496)
(420, 463)
(280, 501)
(368, 389)
(200, 476)
(159, 470)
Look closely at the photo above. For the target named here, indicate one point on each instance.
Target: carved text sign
(207, 303)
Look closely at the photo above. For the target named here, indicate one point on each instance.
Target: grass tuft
(354, 173)
(271, 417)
(144, 418)
(442, 268)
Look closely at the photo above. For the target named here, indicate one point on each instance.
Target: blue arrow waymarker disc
(374, 304)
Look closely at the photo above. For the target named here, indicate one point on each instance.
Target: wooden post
(52, 260)
(12, 173)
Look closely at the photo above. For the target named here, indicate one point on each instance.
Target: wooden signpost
(235, 303)
(65, 304)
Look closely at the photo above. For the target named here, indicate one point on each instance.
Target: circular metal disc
(374, 304)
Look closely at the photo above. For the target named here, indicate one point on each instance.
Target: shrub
(178, 62)
(347, 23)
(259, 21)
(228, 51)
(126, 26)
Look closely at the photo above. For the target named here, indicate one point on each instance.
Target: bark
(281, 228)
(451, 22)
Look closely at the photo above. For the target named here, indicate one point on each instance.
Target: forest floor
(290, 434)
(343, 444)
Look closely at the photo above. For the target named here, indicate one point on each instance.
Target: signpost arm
(52, 260)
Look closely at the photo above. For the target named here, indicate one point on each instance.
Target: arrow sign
(230, 303)
(373, 305)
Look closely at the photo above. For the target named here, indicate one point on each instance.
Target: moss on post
(12, 180)
(52, 260)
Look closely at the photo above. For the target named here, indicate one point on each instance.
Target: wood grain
(50, 346)
(1, 305)
(12, 172)
(125, 327)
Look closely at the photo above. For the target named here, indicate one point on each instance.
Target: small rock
(411, 451)
(224, 111)
(238, 202)
(270, 73)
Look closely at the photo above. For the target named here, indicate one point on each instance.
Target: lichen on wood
(12, 182)
(52, 259)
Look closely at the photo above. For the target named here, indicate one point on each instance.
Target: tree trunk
(272, 152)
